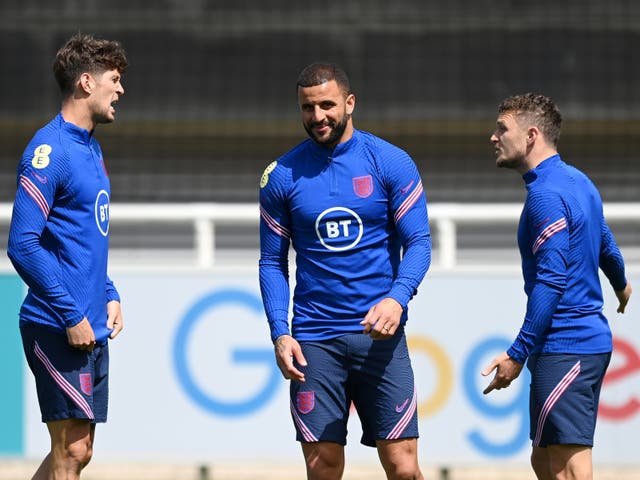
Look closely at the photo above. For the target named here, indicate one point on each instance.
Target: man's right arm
(37, 266)
(275, 238)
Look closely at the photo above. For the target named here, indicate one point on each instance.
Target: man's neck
(76, 113)
(536, 157)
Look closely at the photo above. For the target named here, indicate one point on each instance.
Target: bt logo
(339, 228)
(102, 212)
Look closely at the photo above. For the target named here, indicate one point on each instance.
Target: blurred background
(210, 94)
(210, 101)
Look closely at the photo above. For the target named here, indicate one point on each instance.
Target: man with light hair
(565, 338)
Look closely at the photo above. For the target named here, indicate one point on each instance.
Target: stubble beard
(104, 118)
(337, 130)
(513, 162)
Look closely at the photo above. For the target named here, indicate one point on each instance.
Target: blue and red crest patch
(86, 384)
(305, 401)
(363, 186)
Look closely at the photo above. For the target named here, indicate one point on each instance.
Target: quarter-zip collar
(542, 169)
(79, 134)
(320, 151)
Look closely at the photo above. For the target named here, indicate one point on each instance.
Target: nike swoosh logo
(406, 189)
(400, 408)
(42, 179)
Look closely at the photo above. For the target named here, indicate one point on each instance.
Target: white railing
(444, 219)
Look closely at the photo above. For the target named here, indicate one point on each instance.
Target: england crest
(363, 186)
(86, 384)
(305, 401)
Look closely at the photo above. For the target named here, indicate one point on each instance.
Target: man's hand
(286, 349)
(81, 335)
(507, 370)
(623, 297)
(114, 318)
(383, 319)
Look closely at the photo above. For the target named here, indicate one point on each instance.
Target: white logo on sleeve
(339, 228)
(40, 157)
(102, 212)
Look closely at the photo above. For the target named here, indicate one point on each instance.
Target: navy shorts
(375, 375)
(563, 404)
(71, 383)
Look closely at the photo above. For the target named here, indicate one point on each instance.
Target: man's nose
(318, 114)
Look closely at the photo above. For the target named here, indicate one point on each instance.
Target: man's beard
(100, 118)
(337, 130)
(513, 162)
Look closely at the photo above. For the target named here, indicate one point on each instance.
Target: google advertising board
(193, 377)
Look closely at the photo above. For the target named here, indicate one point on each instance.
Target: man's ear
(351, 103)
(532, 135)
(86, 83)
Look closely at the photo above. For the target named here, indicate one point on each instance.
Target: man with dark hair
(564, 240)
(349, 203)
(58, 243)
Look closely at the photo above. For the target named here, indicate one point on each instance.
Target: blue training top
(348, 213)
(564, 240)
(59, 233)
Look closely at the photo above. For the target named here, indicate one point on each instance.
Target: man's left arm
(612, 264)
(408, 206)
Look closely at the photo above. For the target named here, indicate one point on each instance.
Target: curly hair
(535, 109)
(318, 73)
(85, 53)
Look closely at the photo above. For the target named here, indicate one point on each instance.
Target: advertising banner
(193, 375)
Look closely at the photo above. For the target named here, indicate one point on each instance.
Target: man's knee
(324, 459)
(400, 459)
(80, 452)
(72, 444)
(406, 471)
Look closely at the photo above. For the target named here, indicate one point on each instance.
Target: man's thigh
(320, 405)
(565, 391)
(70, 383)
(383, 389)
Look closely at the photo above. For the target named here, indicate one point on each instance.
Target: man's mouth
(321, 127)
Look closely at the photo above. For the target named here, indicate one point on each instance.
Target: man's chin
(105, 119)
(506, 163)
(324, 140)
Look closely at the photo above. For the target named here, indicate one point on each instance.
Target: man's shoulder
(276, 175)
(46, 150)
(374, 140)
(561, 183)
(381, 149)
(546, 191)
(574, 174)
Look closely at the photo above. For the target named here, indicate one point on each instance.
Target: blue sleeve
(408, 205)
(275, 235)
(112, 292)
(611, 261)
(548, 227)
(37, 266)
